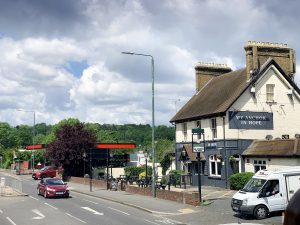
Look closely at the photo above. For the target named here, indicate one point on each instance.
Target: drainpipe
(225, 151)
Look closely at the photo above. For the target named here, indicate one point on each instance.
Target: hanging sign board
(198, 147)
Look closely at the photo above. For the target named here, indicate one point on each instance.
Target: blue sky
(62, 58)
(76, 68)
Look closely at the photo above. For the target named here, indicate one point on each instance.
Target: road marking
(12, 222)
(151, 222)
(93, 211)
(96, 203)
(75, 218)
(40, 215)
(51, 205)
(1, 211)
(164, 221)
(33, 198)
(119, 211)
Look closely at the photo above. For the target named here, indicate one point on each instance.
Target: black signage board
(250, 120)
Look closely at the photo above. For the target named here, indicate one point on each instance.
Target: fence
(10, 185)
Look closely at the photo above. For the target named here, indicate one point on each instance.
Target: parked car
(53, 187)
(47, 171)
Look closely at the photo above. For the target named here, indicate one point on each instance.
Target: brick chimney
(207, 71)
(259, 52)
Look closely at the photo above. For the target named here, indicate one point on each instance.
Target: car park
(47, 171)
(53, 187)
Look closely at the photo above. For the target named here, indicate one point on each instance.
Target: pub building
(236, 108)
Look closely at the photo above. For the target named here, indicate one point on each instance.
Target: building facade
(236, 107)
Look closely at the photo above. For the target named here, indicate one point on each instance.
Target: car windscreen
(254, 185)
(44, 168)
(54, 182)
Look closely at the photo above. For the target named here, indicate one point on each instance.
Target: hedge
(238, 180)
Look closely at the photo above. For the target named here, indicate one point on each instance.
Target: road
(78, 209)
(84, 209)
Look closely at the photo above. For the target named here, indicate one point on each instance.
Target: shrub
(174, 176)
(238, 180)
(133, 171)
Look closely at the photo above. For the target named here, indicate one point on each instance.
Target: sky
(62, 58)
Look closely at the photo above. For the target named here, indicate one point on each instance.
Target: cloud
(63, 58)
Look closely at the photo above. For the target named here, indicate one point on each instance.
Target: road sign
(198, 147)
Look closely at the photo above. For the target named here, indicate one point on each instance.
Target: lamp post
(84, 159)
(33, 134)
(198, 149)
(153, 144)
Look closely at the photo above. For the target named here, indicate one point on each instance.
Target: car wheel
(260, 212)
(45, 194)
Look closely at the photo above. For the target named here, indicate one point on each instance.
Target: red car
(47, 171)
(53, 187)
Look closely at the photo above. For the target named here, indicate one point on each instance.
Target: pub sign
(250, 120)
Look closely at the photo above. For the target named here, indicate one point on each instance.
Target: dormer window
(270, 92)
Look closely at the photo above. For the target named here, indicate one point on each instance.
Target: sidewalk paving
(150, 204)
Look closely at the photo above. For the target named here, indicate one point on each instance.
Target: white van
(267, 191)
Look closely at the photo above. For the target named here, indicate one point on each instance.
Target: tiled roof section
(282, 147)
(215, 97)
(192, 156)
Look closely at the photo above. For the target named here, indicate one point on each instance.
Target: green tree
(8, 137)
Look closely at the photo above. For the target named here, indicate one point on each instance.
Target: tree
(70, 143)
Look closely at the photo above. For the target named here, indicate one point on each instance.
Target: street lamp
(153, 145)
(33, 133)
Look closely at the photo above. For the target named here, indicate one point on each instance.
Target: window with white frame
(184, 131)
(214, 127)
(215, 166)
(259, 165)
(270, 92)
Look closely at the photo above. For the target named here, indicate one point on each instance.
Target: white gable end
(274, 95)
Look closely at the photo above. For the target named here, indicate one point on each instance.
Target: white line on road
(12, 222)
(93, 211)
(75, 218)
(119, 211)
(51, 205)
(40, 215)
(1, 211)
(33, 198)
(96, 203)
(151, 222)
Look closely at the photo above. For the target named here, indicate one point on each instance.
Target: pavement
(154, 205)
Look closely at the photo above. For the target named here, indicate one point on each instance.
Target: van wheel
(260, 212)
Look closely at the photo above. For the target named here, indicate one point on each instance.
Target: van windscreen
(254, 185)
